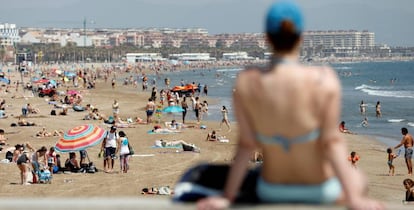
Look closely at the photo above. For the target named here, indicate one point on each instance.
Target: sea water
(391, 83)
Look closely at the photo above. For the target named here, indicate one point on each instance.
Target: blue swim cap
(284, 10)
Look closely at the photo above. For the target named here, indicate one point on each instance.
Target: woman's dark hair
(285, 39)
(408, 181)
(121, 133)
(42, 149)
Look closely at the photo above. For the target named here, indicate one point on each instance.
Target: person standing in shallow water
(408, 142)
(362, 108)
(309, 149)
(378, 113)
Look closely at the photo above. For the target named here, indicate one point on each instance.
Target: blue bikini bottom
(325, 193)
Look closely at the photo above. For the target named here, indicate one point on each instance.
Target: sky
(391, 21)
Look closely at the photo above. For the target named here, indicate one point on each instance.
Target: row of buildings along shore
(316, 44)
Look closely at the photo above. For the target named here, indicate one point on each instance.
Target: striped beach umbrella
(80, 138)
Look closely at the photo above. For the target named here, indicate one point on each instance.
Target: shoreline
(164, 167)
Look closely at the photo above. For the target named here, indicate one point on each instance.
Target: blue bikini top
(287, 142)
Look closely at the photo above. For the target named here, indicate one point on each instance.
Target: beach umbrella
(4, 80)
(72, 92)
(172, 109)
(69, 74)
(41, 81)
(80, 138)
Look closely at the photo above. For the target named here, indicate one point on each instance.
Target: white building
(143, 57)
(191, 57)
(9, 34)
(347, 39)
(237, 56)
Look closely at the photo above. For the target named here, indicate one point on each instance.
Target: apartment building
(9, 34)
(345, 39)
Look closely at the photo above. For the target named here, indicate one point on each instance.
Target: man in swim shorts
(407, 141)
(150, 110)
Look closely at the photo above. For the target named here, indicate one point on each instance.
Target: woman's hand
(213, 203)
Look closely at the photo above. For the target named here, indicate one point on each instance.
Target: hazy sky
(392, 21)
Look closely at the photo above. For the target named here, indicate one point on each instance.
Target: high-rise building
(346, 39)
(9, 34)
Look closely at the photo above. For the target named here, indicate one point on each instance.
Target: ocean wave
(411, 124)
(395, 120)
(364, 86)
(384, 91)
(395, 94)
(342, 67)
(229, 70)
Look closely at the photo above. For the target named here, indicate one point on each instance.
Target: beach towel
(173, 147)
(208, 180)
(152, 132)
(143, 155)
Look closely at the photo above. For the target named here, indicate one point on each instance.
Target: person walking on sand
(124, 153)
(115, 109)
(391, 157)
(275, 108)
(225, 118)
(197, 109)
(184, 105)
(109, 144)
(149, 109)
(408, 142)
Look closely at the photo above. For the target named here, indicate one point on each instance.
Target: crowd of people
(273, 125)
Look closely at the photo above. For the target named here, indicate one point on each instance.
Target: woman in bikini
(290, 112)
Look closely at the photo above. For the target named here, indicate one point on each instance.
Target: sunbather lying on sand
(158, 129)
(186, 146)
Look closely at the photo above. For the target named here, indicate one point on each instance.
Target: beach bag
(190, 148)
(45, 176)
(53, 112)
(208, 180)
(9, 156)
(91, 168)
(131, 150)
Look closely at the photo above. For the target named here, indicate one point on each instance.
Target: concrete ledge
(74, 203)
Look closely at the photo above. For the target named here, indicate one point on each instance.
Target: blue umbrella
(69, 74)
(53, 82)
(173, 109)
(5, 80)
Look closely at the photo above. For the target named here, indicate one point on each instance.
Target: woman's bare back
(288, 101)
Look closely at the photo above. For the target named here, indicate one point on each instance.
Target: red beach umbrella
(41, 81)
(80, 138)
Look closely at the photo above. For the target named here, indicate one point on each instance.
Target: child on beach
(391, 157)
(353, 157)
(409, 193)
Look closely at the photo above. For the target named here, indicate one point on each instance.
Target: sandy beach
(151, 167)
